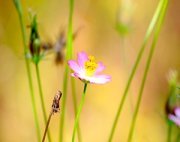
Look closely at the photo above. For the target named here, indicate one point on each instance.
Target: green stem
(155, 39)
(75, 107)
(169, 132)
(70, 34)
(79, 111)
(19, 11)
(178, 138)
(68, 56)
(65, 82)
(42, 99)
(33, 100)
(146, 38)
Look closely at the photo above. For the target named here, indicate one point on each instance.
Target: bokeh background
(99, 37)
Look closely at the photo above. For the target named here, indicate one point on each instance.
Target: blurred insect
(58, 46)
(55, 104)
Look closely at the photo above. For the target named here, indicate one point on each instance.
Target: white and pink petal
(99, 68)
(82, 58)
(175, 119)
(74, 66)
(99, 79)
(177, 112)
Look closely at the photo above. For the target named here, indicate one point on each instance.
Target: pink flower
(87, 70)
(176, 116)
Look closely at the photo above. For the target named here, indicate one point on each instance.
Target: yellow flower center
(90, 66)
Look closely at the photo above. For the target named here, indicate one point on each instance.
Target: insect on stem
(55, 108)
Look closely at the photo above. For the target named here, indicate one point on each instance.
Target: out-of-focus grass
(98, 37)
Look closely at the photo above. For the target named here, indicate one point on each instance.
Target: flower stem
(169, 132)
(146, 38)
(79, 111)
(47, 125)
(65, 82)
(75, 107)
(68, 56)
(178, 138)
(70, 34)
(154, 42)
(42, 98)
(19, 11)
(33, 101)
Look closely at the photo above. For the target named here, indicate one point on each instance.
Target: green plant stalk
(79, 111)
(178, 138)
(65, 80)
(169, 132)
(70, 51)
(19, 11)
(33, 101)
(155, 39)
(70, 33)
(146, 38)
(42, 99)
(75, 107)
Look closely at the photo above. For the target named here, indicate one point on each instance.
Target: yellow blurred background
(97, 37)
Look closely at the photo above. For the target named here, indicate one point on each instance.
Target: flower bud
(173, 99)
(35, 43)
